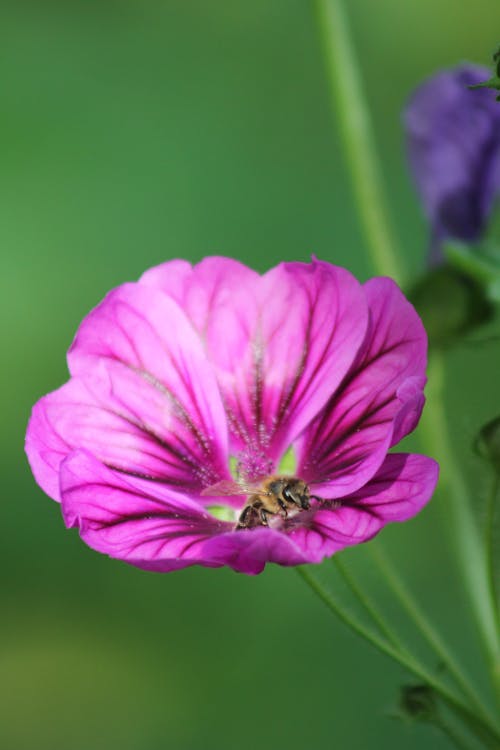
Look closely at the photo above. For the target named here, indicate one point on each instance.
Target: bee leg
(290, 497)
(282, 505)
(304, 502)
(263, 517)
(244, 519)
(326, 502)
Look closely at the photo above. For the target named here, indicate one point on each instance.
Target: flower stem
(490, 527)
(452, 734)
(488, 733)
(366, 603)
(427, 630)
(356, 131)
(490, 544)
(461, 522)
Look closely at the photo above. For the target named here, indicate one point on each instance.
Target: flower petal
(279, 344)
(145, 399)
(208, 290)
(313, 321)
(399, 490)
(249, 551)
(378, 403)
(133, 519)
(171, 277)
(156, 528)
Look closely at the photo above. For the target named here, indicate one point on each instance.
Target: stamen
(252, 464)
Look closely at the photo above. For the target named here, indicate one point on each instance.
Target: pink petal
(146, 400)
(249, 551)
(399, 490)
(171, 277)
(378, 403)
(411, 397)
(87, 413)
(209, 289)
(133, 519)
(156, 528)
(312, 323)
(280, 344)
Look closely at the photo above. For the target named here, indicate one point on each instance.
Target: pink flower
(173, 376)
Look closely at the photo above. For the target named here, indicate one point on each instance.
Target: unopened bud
(450, 304)
(488, 443)
(418, 702)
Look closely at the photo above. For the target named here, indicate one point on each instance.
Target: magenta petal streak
(379, 400)
(174, 374)
(279, 344)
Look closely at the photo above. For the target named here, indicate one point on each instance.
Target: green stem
(366, 603)
(427, 630)
(489, 546)
(480, 726)
(460, 520)
(452, 734)
(347, 94)
(356, 131)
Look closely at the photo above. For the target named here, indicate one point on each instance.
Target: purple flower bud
(453, 143)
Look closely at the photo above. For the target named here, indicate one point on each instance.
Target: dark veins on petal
(203, 469)
(331, 450)
(181, 522)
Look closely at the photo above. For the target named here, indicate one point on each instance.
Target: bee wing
(227, 487)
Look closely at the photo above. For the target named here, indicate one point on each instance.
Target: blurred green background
(134, 132)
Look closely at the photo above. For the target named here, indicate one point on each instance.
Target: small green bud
(487, 443)
(450, 304)
(418, 702)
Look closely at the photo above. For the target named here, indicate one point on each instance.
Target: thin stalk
(461, 523)
(447, 729)
(356, 131)
(480, 726)
(347, 96)
(411, 606)
(489, 546)
(366, 603)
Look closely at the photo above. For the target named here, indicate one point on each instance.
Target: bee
(274, 496)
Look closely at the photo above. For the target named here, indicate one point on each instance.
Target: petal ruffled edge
(403, 485)
(146, 378)
(157, 529)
